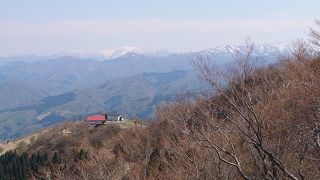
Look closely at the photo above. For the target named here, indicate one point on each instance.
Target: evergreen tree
(45, 158)
(55, 158)
(2, 174)
(82, 154)
(16, 167)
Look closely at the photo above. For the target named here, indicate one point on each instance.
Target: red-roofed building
(97, 119)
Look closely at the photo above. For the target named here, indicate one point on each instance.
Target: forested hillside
(137, 96)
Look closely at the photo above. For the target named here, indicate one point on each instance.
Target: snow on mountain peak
(259, 49)
(115, 53)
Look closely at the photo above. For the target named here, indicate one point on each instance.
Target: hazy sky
(53, 26)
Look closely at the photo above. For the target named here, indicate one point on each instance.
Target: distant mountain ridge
(115, 53)
(260, 49)
(66, 73)
(104, 54)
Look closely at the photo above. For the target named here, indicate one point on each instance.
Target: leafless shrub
(253, 120)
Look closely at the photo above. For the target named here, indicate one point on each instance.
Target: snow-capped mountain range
(259, 50)
(115, 53)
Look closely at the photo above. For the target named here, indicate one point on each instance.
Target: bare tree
(244, 101)
(315, 35)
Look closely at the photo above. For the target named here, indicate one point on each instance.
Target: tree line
(19, 166)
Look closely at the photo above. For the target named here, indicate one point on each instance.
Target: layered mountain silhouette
(38, 93)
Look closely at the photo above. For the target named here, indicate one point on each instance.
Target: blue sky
(53, 26)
